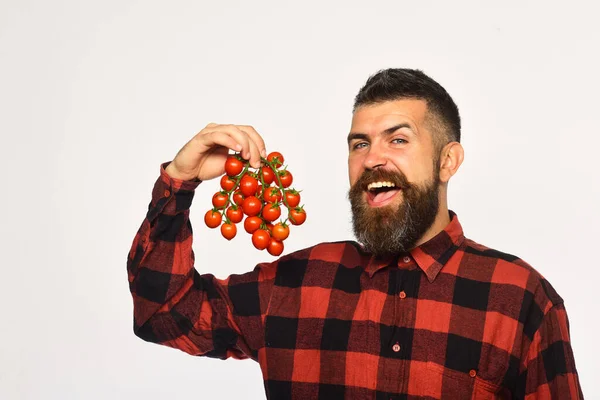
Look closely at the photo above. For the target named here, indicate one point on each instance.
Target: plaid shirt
(451, 319)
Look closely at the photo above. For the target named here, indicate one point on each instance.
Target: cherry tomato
(268, 176)
(227, 183)
(235, 215)
(280, 231)
(286, 178)
(260, 239)
(251, 206)
(238, 198)
(276, 158)
(251, 224)
(248, 185)
(271, 212)
(292, 197)
(233, 166)
(219, 200)
(272, 195)
(297, 216)
(228, 231)
(275, 247)
(212, 218)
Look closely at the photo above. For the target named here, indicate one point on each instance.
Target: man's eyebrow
(356, 135)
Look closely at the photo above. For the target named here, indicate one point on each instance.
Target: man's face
(393, 177)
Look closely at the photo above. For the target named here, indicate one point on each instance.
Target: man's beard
(388, 230)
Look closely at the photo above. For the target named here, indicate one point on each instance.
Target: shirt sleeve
(550, 366)
(176, 306)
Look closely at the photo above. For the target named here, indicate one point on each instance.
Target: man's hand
(204, 156)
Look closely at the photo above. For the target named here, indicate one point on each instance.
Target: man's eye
(359, 145)
(398, 140)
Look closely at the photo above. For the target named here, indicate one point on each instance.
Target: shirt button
(396, 348)
(402, 294)
(167, 193)
(472, 373)
(406, 259)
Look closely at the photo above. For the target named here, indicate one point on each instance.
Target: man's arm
(176, 306)
(550, 371)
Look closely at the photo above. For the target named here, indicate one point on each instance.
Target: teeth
(374, 185)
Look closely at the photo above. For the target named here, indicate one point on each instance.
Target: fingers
(252, 144)
(254, 154)
(221, 139)
(239, 137)
(255, 136)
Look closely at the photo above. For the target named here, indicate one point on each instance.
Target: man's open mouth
(381, 193)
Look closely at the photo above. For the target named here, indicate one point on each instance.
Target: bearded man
(414, 309)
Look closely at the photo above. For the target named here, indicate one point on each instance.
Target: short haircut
(400, 83)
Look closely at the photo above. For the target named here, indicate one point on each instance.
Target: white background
(95, 95)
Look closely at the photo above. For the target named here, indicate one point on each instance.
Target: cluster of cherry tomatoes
(259, 195)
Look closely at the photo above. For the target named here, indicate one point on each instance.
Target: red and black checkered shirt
(451, 319)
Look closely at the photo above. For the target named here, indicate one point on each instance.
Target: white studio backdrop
(95, 95)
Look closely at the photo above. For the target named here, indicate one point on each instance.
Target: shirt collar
(430, 256)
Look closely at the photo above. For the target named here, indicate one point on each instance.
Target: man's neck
(441, 221)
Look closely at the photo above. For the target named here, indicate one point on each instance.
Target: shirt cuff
(175, 185)
(166, 188)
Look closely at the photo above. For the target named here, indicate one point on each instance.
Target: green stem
(262, 182)
(274, 169)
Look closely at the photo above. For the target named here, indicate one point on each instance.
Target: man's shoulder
(502, 268)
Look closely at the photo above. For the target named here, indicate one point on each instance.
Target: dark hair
(398, 83)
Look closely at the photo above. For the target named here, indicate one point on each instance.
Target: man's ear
(451, 158)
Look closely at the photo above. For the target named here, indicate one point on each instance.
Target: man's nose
(375, 158)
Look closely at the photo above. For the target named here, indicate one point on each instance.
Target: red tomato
(286, 178)
(275, 247)
(276, 158)
(272, 195)
(280, 231)
(297, 216)
(248, 185)
(271, 212)
(268, 176)
(228, 231)
(233, 166)
(235, 215)
(238, 198)
(251, 224)
(251, 206)
(212, 218)
(260, 239)
(292, 197)
(227, 183)
(220, 200)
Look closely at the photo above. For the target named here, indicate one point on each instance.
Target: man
(416, 310)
